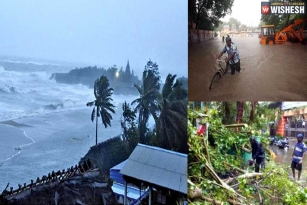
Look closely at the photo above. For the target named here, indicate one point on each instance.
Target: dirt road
(268, 72)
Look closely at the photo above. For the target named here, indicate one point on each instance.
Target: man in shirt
(298, 156)
(233, 56)
(258, 154)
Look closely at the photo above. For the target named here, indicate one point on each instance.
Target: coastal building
(151, 174)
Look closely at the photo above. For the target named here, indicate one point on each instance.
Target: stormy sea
(45, 125)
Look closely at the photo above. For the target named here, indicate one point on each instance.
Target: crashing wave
(53, 106)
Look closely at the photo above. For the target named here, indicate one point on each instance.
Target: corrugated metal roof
(158, 166)
(119, 166)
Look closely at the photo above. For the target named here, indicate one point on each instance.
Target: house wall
(203, 35)
(294, 122)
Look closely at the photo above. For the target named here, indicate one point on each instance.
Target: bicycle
(219, 73)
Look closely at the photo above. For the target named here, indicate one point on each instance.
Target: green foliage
(146, 104)
(261, 24)
(103, 94)
(206, 13)
(232, 21)
(286, 190)
(221, 26)
(274, 186)
(246, 188)
(102, 104)
(128, 124)
(108, 154)
(172, 122)
(224, 141)
(132, 138)
(168, 109)
(281, 21)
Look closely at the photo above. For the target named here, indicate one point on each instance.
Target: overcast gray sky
(248, 12)
(98, 32)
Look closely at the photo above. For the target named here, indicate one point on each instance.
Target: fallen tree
(219, 175)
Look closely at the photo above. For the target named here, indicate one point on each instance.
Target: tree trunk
(240, 109)
(97, 124)
(252, 113)
(199, 10)
(227, 113)
(250, 175)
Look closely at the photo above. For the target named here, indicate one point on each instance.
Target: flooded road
(284, 157)
(268, 72)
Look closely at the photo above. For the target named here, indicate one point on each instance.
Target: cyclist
(233, 56)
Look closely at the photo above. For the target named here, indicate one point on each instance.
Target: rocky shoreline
(86, 183)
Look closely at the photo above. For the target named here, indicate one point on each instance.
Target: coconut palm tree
(102, 104)
(128, 121)
(172, 122)
(148, 100)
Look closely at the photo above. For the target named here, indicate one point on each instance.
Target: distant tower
(128, 73)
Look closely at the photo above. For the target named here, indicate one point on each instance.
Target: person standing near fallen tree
(298, 156)
(258, 154)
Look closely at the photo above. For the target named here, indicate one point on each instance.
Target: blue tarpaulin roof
(132, 192)
(115, 175)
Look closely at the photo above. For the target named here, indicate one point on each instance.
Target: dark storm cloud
(97, 32)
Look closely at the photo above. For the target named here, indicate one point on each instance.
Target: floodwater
(284, 157)
(268, 72)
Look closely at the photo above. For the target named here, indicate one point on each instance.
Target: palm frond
(103, 94)
(139, 89)
(105, 117)
(93, 114)
(168, 85)
(90, 104)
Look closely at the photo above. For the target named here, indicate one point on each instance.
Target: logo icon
(265, 9)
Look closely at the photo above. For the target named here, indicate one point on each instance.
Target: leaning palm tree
(102, 104)
(172, 123)
(147, 102)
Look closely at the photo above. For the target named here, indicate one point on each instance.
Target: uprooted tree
(219, 175)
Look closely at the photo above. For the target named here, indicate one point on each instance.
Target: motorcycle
(283, 143)
(273, 140)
